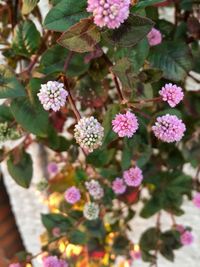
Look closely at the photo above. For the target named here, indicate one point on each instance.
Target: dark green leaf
(145, 3)
(65, 14)
(56, 220)
(21, 171)
(9, 85)
(131, 32)
(77, 237)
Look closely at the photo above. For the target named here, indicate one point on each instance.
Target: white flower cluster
(91, 211)
(89, 133)
(95, 189)
(52, 95)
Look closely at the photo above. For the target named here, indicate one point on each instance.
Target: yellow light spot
(73, 250)
(28, 265)
(62, 246)
(136, 248)
(105, 259)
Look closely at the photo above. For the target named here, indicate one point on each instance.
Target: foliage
(105, 72)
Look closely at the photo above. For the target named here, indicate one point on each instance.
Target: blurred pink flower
(133, 176)
(72, 195)
(118, 186)
(154, 37)
(54, 261)
(187, 238)
(15, 265)
(52, 168)
(196, 200)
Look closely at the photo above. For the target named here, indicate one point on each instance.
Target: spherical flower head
(109, 13)
(125, 124)
(196, 200)
(95, 189)
(172, 94)
(169, 128)
(133, 176)
(52, 95)
(118, 186)
(180, 228)
(187, 238)
(53, 261)
(72, 195)
(52, 168)
(91, 211)
(89, 133)
(154, 37)
(15, 265)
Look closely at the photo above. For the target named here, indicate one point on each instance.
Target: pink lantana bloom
(72, 195)
(169, 128)
(52, 95)
(133, 176)
(118, 186)
(109, 13)
(52, 168)
(125, 124)
(187, 238)
(54, 261)
(15, 265)
(154, 37)
(172, 94)
(196, 200)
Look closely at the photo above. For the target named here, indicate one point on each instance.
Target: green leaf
(29, 113)
(173, 58)
(52, 220)
(26, 39)
(53, 61)
(21, 171)
(65, 14)
(131, 32)
(5, 114)
(120, 245)
(28, 6)
(149, 239)
(145, 3)
(9, 85)
(127, 153)
(100, 158)
(78, 237)
(81, 37)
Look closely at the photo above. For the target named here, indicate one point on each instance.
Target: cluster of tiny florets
(125, 124)
(52, 95)
(91, 211)
(118, 186)
(110, 13)
(95, 189)
(8, 133)
(172, 94)
(54, 261)
(72, 195)
(169, 128)
(89, 133)
(52, 168)
(154, 37)
(133, 176)
(187, 238)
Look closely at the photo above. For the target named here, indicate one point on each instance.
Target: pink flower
(56, 231)
(118, 186)
(52, 95)
(15, 265)
(94, 189)
(110, 13)
(53, 261)
(171, 94)
(125, 124)
(154, 37)
(72, 195)
(52, 168)
(133, 176)
(196, 200)
(169, 128)
(187, 238)
(180, 228)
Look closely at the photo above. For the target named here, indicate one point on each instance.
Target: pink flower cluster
(125, 124)
(172, 94)
(72, 195)
(54, 261)
(132, 177)
(169, 128)
(196, 200)
(154, 37)
(118, 186)
(52, 168)
(110, 13)
(186, 237)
